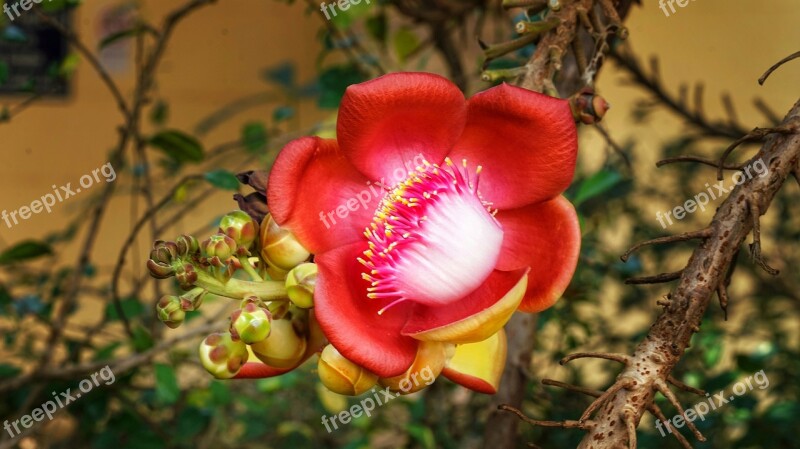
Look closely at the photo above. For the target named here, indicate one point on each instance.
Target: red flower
(413, 247)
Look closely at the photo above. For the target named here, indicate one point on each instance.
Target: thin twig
(683, 237)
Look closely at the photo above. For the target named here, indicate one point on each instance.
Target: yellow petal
(479, 366)
(482, 325)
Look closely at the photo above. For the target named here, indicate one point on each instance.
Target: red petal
(258, 370)
(315, 192)
(473, 318)
(350, 320)
(526, 142)
(547, 238)
(391, 123)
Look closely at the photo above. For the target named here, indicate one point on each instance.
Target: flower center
(433, 239)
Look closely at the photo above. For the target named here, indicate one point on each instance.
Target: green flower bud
(251, 323)
(159, 270)
(241, 228)
(187, 245)
(300, 283)
(343, 376)
(222, 356)
(186, 276)
(283, 349)
(218, 248)
(170, 312)
(164, 252)
(161, 260)
(192, 300)
(279, 247)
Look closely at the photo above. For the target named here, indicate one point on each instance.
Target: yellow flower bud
(343, 376)
(428, 364)
(284, 348)
(300, 285)
(279, 247)
(222, 356)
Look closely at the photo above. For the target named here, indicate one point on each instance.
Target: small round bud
(218, 248)
(251, 323)
(284, 348)
(222, 356)
(170, 312)
(239, 226)
(300, 283)
(343, 376)
(279, 247)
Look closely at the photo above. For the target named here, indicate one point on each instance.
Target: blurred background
(238, 79)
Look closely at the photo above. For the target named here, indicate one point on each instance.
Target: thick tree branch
(656, 356)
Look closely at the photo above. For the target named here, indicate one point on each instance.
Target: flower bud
(428, 364)
(343, 376)
(218, 248)
(276, 274)
(251, 323)
(162, 257)
(222, 356)
(284, 348)
(239, 226)
(192, 300)
(187, 245)
(170, 312)
(300, 283)
(164, 252)
(186, 276)
(159, 270)
(279, 247)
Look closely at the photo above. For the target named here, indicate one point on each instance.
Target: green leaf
(598, 183)
(343, 19)
(131, 307)
(159, 113)
(422, 434)
(333, 82)
(283, 74)
(222, 179)
(68, 65)
(25, 250)
(167, 389)
(254, 136)
(124, 34)
(178, 145)
(377, 27)
(7, 371)
(404, 43)
(142, 340)
(282, 113)
(3, 72)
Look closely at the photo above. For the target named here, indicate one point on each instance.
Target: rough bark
(655, 357)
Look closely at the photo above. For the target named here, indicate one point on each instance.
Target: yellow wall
(216, 56)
